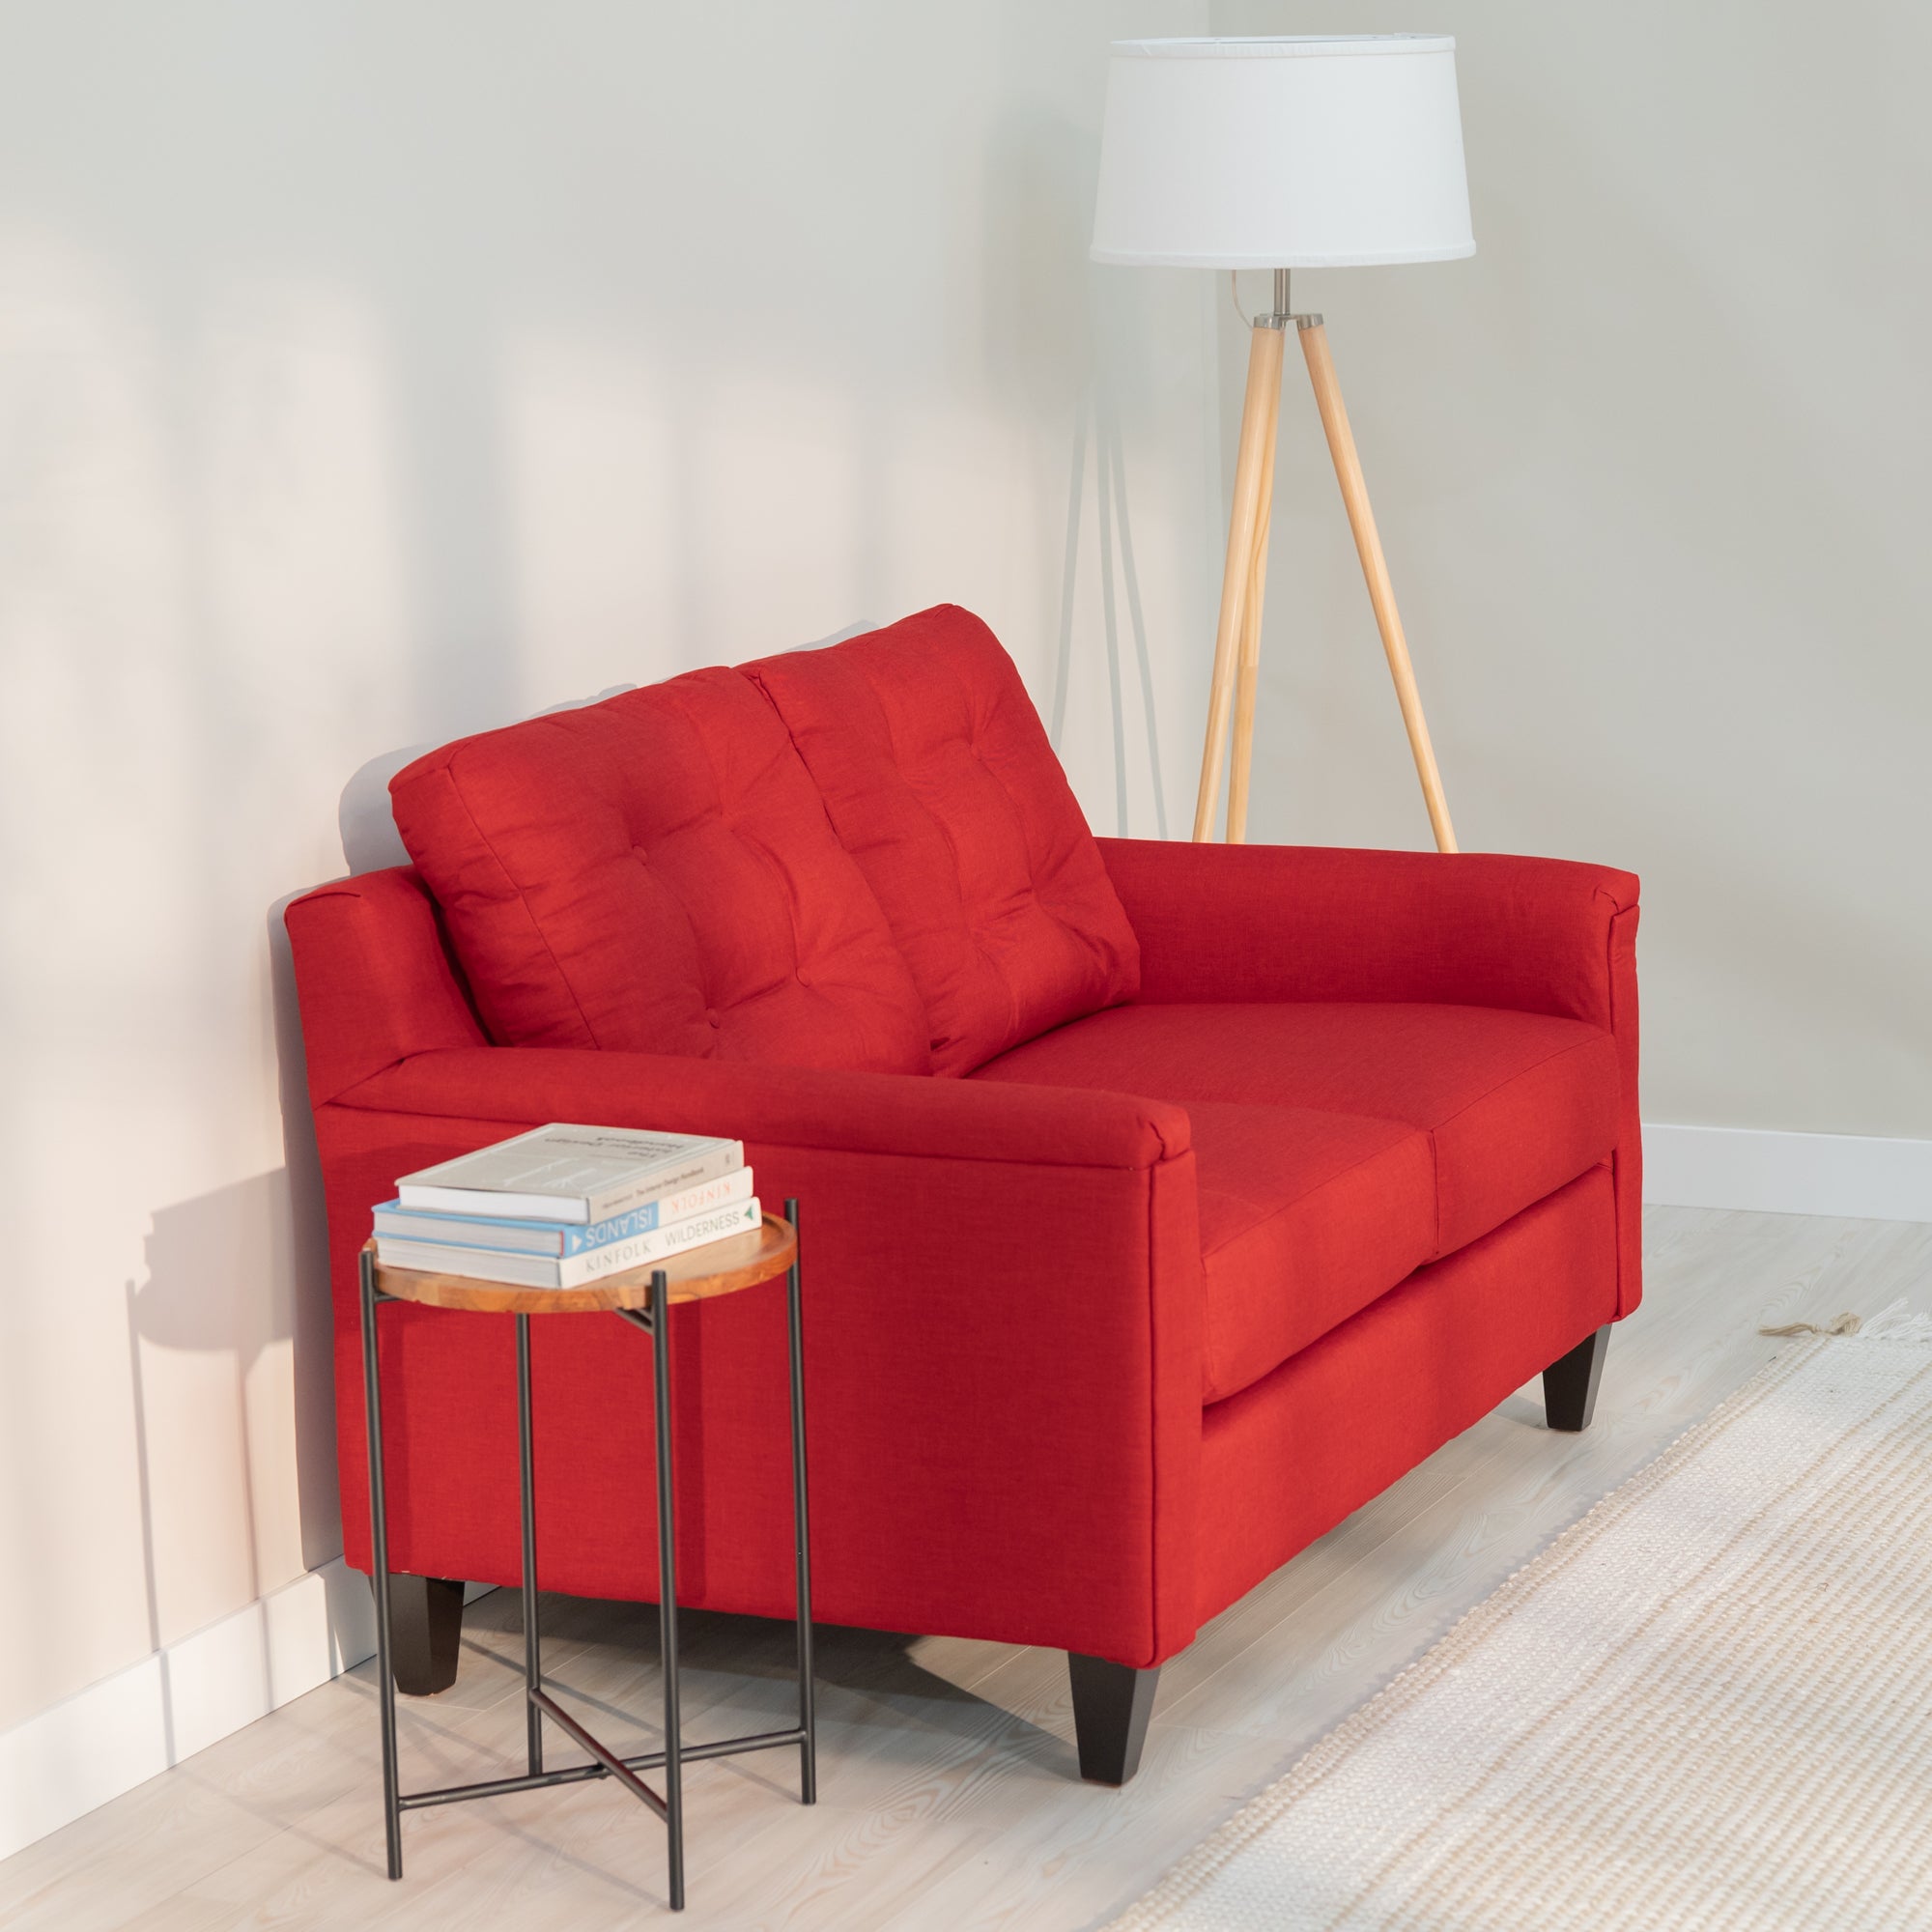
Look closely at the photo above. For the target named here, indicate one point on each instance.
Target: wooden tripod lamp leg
(1381, 593)
(1247, 666)
(1253, 461)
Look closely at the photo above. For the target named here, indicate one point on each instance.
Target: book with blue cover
(507, 1235)
(694, 1230)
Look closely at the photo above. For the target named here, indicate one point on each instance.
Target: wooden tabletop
(718, 1267)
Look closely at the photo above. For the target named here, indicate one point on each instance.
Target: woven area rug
(1708, 1704)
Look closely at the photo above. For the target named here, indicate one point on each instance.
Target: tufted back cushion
(941, 784)
(656, 873)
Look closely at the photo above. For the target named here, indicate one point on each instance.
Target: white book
(565, 1173)
(716, 1224)
(511, 1237)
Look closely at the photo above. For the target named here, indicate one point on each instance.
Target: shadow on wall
(1044, 341)
(312, 1326)
(233, 1323)
(1097, 424)
(370, 840)
(222, 1336)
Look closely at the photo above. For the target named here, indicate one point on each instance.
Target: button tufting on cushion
(652, 873)
(941, 784)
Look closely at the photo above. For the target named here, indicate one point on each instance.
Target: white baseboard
(1854, 1174)
(127, 1728)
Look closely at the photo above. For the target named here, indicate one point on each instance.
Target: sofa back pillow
(941, 784)
(656, 873)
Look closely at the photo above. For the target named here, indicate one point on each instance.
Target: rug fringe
(1897, 1324)
(1846, 1323)
(1893, 1322)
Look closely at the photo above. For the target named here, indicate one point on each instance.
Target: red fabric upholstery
(1016, 1293)
(389, 986)
(1274, 922)
(1310, 923)
(1284, 1461)
(655, 872)
(819, 1107)
(1513, 1104)
(941, 784)
(1305, 1218)
(979, 1462)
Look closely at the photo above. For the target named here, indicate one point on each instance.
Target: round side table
(643, 1297)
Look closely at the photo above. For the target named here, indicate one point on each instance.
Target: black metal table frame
(655, 1322)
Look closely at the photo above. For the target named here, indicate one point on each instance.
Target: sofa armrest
(1003, 1289)
(1314, 923)
(375, 976)
(802, 1107)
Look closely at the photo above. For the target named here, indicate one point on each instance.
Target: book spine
(487, 1204)
(466, 1230)
(480, 1264)
(659, 1247)
(610, 1201)
(720, 1192)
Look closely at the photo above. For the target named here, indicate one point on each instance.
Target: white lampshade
(1282, 154)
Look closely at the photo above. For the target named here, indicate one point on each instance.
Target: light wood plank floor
(948, 1790)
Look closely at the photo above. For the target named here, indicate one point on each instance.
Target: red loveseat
(1161, 1203)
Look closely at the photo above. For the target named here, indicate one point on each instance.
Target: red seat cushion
(1305, 1219)
(941, 784)
(656, 874)
(1306, 1215)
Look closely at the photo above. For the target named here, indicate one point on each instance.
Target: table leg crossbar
(581, 1773)
(668, 1804)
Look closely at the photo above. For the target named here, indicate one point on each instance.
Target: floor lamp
(1284, 154)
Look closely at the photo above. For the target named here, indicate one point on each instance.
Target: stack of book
(563, 1205)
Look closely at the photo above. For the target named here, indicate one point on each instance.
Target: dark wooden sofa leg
(1111, 1704)
(1570, 1382)
(425, 1632)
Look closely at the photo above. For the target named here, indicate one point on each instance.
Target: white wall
(369, 374)
(1654, 474)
